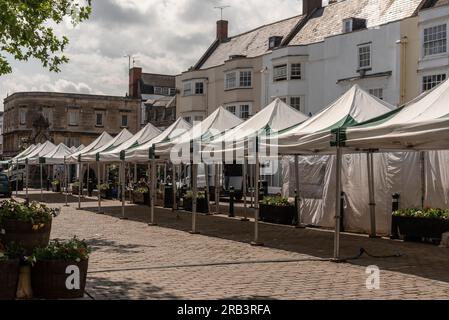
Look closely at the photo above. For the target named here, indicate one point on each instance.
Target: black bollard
(231, 202)
(394, 208)
(48, 184)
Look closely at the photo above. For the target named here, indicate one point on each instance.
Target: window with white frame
(295, 102)
(435, 40)
(429, 82)
(124, 121)
(172, 91)
(199, 88)
(231, 109)
(22, 116)
(231, 80)
(377, 92)
(295, 72)
(158, 90)
(245, 79)
(364, 55)
(245, 111)
(187, 88)
(280, 73)
(74, 117)
(238, 79)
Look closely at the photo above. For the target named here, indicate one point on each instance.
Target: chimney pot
(222, 30)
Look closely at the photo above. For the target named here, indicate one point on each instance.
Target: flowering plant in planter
(56, 183)
(103, 187)
(27, 224)
(76, 184)
(9, 252)
(34, 212)
(430, 213)
(59, 271)
(141, 190)
(277, 201)
(74, 250)
(200, 195)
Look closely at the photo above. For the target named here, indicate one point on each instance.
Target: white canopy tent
(140, 153)
(56, 156)
(103, 139)
(354, 107)
(143, 136)
(36, 153)
(118, 140)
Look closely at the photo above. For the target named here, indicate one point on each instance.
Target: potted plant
(418, 224)
(9, 271)
(141, 195)
(26, 224)
(277, 209)
(59, 271)
(105, 191)
(201, 202)
(75, 188)
(56, 186)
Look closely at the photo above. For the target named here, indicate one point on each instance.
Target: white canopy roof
(314, 135)
(218, 122)
(141, 153)
(143, 136)
(25, 152)
(103, 139)
(33, 157)
(57, 155)
(423, 124)
(121, 138)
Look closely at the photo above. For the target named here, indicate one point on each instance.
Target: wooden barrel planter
(48, 279)
(106, 194)
(278, 214)
(9, 277)
(168, 197)
(23, 234)
(141, 198)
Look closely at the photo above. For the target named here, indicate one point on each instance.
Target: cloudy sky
(166, 36)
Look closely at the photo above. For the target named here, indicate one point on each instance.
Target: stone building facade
(72, 119)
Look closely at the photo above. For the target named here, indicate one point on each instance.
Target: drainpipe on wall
(403, 80)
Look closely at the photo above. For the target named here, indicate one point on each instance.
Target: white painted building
(433, 66)
(359, 46)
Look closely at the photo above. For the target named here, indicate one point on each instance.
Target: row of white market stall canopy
(356, 123)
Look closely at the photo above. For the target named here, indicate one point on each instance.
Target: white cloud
(167, 36)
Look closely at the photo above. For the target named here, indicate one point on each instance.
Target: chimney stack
(222, 30)
(308, 6)
(135, 74)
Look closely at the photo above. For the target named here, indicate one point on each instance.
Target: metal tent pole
(80, 183)
(245, 202)
(372, 199)
(337, 204)
(123, 194)
(422, 157)
(135, 172)
(87, 178)
(153, 191)
(27, 198)
(251, 180)
(217, 188)
(194, 168)
(297, 186)
(174, 188)
(17, 178)
(206, 175)
(42, 185)
(256, 197)
(66, 182)
(99, 188)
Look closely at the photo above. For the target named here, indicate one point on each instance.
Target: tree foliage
(27, 30)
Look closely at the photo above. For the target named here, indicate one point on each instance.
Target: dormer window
(274, 42)
(353, 24)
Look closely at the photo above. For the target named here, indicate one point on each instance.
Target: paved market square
(132, 260)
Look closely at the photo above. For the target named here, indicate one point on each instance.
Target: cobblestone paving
(132, 260)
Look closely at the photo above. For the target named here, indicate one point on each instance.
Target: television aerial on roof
(221, 8)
